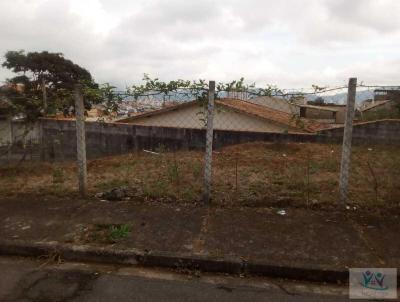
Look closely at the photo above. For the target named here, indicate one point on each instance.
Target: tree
(45, 76)
(104, 94)
(53, 67)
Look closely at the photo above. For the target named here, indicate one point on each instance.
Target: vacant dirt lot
(254, 174)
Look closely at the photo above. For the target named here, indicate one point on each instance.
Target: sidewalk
(302, 244)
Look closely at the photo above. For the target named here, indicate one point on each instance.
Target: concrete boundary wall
(102, 139)
(381, 132)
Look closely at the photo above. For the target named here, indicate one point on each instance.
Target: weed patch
(118, 232)
(58, 175)
(104, 233)
(258, 174)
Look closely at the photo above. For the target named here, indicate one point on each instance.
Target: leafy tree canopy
(57, 71)
(58, 75)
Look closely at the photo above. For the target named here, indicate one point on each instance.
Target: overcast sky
(289, 43)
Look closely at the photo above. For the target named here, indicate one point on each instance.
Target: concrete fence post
(44, 95)
(11, 140)
(347, 136)
(80, 139)
(43, 149)
(209, 143)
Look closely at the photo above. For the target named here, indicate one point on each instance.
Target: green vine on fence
(196, 89)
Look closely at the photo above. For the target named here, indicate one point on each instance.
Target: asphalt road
(24, 279)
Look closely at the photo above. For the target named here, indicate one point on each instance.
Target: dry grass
(254, 174)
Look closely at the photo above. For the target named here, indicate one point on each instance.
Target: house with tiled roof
(327, 114)
(229, 114)
(377, 105)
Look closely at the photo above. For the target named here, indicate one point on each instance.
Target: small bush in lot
(173, 172)
(119, 231)
(196, 170)
(58, 175)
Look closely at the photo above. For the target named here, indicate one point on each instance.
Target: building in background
(387, 94)
(376, 106)
(229, 114)
(328, 114)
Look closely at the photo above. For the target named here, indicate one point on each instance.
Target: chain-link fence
(164, 143)
(374, 175)
(19, 141)
(230, 147)
(268, 154)
(18, 152)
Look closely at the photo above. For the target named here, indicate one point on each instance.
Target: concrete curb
(86, 253)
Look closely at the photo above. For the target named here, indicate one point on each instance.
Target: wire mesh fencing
(286, 150)
(19, 141)
(19, 152)
(374, 175)
(375, 156)
(266, 153)
(164, 158)
(282, 148)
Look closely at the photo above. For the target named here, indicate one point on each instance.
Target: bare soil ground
(253, 175)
